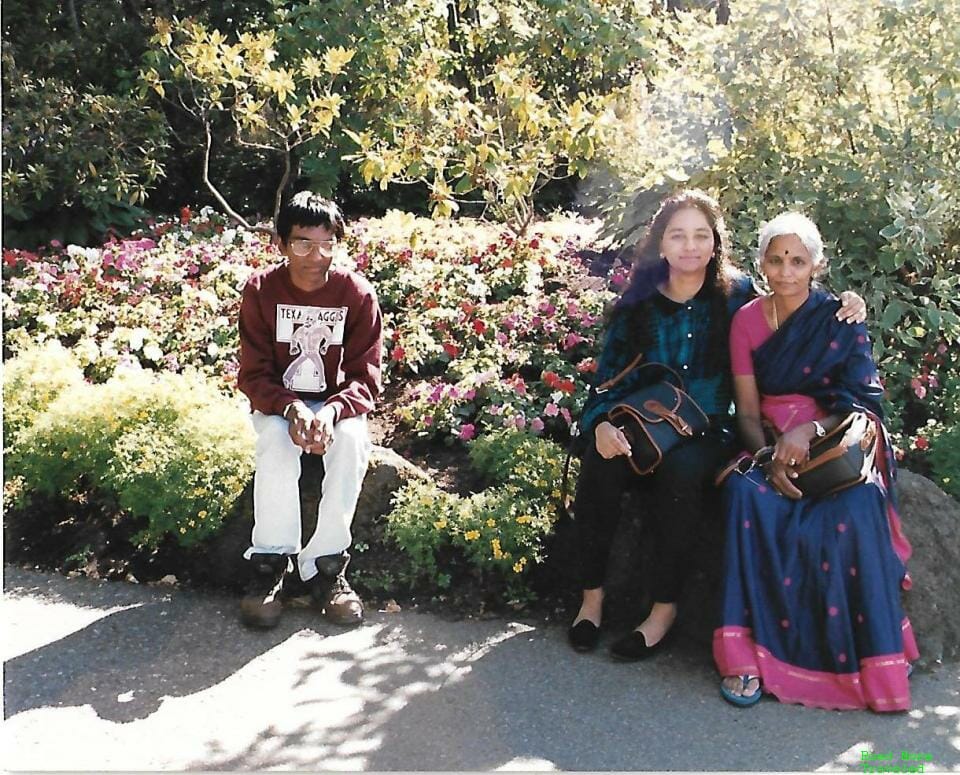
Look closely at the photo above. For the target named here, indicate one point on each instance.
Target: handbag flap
(645, 402)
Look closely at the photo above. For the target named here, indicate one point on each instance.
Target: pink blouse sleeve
(741, 357)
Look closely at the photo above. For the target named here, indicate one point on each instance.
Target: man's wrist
(286, 410)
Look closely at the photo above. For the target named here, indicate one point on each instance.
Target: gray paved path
(115, 676)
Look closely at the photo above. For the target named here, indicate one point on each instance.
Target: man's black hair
(306, 208)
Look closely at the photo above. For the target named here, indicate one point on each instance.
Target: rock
(386, 473)
(931, 521)
(168, 580)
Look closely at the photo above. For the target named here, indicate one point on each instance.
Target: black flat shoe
(633, 647)
(584, 636)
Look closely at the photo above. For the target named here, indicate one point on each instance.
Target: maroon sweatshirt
(319, 345)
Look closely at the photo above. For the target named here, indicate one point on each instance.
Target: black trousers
(672, 497)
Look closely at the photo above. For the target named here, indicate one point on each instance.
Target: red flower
(451, 349)
(10, 257)
(534, 243)
(506, 263)
(921, 443)
(467, 307)
(398, 353)
(587, 365)
(566, 386)
(550, 379)
(185, 215)
(479, 327)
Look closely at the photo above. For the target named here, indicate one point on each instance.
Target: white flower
(152, 352)
(76, 250)
(213, 350)
(136, 338)
(48, 320)
(208, 297)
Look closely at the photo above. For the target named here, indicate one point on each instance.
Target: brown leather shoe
(332, 593)
(261, 605)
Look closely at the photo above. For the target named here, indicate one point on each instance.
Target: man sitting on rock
(310, 350)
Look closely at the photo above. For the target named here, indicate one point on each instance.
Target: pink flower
(565, 413)
(536, 425)
(428, 421)
(551, 410)
(520, 421)
(436, 395)
(502, 338)
(546, 308)
(571, 340)
(467, 432)
(470, 395)
(918, 388)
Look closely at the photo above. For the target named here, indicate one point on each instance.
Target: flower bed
(482, 331)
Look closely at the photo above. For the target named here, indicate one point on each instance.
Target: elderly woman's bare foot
(741, 690)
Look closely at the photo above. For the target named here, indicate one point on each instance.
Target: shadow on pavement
(413, 692)
(126, 662)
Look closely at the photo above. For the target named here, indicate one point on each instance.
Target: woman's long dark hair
(650, 268)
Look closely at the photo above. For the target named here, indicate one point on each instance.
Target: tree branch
(74, 19)
(217, 195)
(283, 184)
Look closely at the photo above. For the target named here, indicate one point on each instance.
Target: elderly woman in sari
(811, 608)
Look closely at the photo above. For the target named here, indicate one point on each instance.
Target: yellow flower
(497, 551)
(524, 519)
(472, 535)
(491, 523)
(518, 567)
(440, 524)
(202, 514)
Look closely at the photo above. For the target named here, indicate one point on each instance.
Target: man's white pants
(276, 491)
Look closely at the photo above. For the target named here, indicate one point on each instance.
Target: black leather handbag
(845, 457)
(656, 419)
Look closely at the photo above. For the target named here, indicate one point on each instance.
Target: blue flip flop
(738, 699)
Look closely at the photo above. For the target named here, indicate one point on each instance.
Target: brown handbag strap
(614, 380)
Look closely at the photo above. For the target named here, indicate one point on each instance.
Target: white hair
(800, 226)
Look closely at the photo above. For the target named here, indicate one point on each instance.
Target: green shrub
(944, 459)
(167, 449)
(31, 382)
(75, 163)
(497, 534)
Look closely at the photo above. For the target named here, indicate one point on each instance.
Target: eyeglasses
(303, 247)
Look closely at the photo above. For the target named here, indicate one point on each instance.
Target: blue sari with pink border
(811, 588)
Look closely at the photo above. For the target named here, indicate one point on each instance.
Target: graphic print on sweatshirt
(310, 331)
